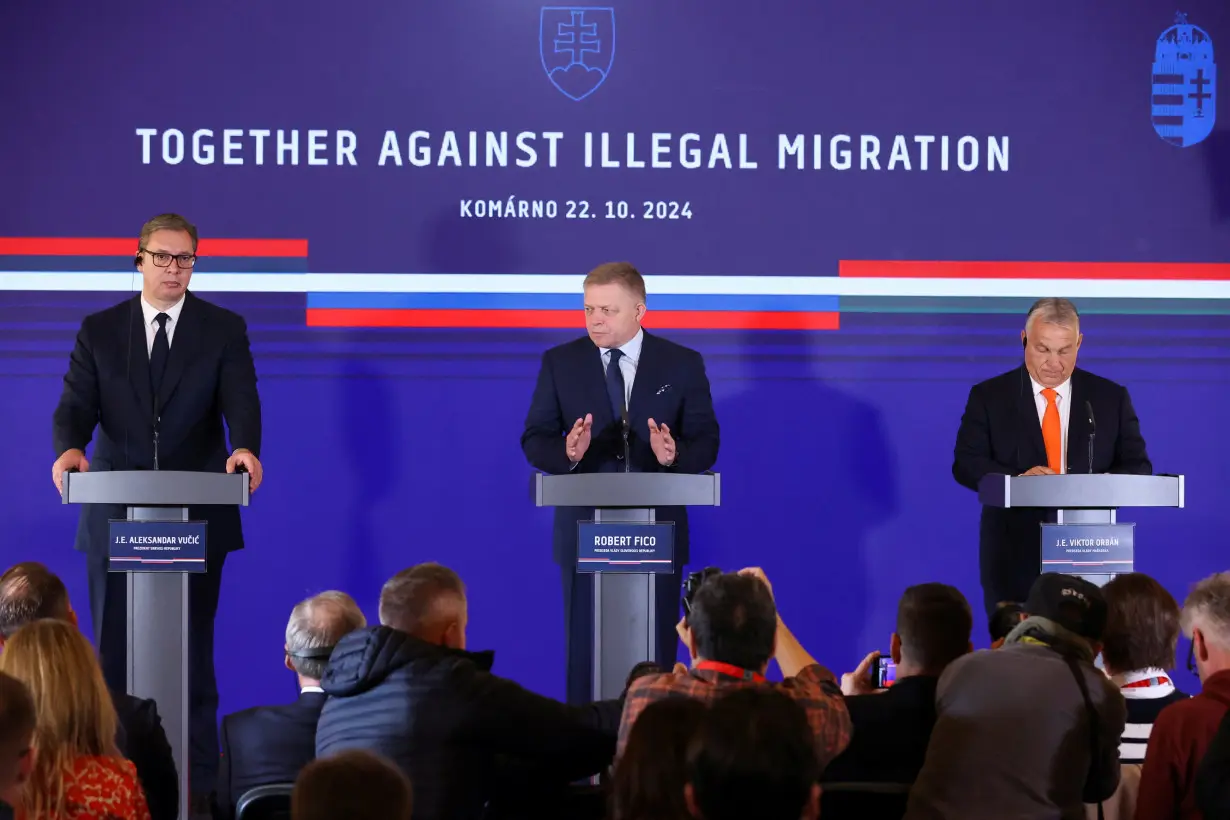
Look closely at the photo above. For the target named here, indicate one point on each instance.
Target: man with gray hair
(1045, 417)
(271, 744)
(1183, 732)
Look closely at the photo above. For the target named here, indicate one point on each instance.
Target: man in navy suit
(586, 389)
(155, 377)
(1035, 420)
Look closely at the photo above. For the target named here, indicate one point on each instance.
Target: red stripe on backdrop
(1178, 271)
(79, 246)
(678, 320)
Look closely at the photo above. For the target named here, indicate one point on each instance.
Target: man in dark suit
(575, 424)
(156, 375)
(266, 745)
(1035, 420)
(30, 592)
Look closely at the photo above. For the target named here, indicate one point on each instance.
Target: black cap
(1072, 602)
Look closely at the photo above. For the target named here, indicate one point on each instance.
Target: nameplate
(157, 546)
(1088, 548)
(625, 547)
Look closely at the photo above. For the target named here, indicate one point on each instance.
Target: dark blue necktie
(615, 384)
(158, 355)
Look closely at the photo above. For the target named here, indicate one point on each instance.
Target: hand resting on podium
(1040, 470)
(68, 461)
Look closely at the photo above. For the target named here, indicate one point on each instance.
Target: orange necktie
(1052, 433)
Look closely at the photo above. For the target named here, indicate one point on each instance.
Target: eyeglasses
(163, 260)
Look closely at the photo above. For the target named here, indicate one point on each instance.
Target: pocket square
(663, 389)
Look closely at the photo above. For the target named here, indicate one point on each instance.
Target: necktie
(615, 384)
(158, 355)
(1052, 433)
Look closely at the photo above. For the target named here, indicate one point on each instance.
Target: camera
(884, 674)
(692, 583)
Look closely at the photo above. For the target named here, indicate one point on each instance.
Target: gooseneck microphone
(1093, 432)
(623, 423)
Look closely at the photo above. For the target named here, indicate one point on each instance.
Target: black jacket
(143, 741)
(441, 716)
(265, 745)
(107, 397)
(891, 733)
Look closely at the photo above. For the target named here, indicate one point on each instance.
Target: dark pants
(109, 609)
(579, 621)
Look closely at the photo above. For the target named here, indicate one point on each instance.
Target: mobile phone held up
(884, 673)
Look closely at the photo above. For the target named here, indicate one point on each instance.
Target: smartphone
(885, 673)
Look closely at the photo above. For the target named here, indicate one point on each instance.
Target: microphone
(1093, 432)
(623, 423)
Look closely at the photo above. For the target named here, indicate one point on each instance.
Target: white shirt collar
(631, 348)
(1064, 390)
(150, 312)
(307, 689)
(1144, 692)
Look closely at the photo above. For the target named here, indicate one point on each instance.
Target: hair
(753, 756)
(734, 620)
(410, 599)
(619, 273)
(354, 784)
(651, 774)
(30, 592)
(16, 710)
(74, 713)
(316, 624)
(934, 622)
(1054, 310)
(166, 222)
(1207, 608)
(1004, 619)
(1142, 624)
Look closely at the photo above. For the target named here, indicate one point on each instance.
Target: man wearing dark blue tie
(590, 392)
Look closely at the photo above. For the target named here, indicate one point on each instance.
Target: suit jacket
(144, 742)
(1000, 433)
(265, 745)
(670, 387)
(209, 377)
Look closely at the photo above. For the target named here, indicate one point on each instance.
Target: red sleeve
(1158, 798)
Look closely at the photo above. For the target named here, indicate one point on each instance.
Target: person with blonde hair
(78, 772)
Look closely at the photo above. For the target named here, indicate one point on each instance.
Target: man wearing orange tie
(1046, 417)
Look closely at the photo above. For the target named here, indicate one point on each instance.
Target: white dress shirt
(151, 327)
(307, 689)
(1063, 403)
(627, 363)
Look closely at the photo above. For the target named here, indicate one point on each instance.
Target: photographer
(732, 631)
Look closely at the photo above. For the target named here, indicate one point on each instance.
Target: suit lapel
(138, 359)
(1028, 410)
(1078, 426)
(645, 384)
(184, 346)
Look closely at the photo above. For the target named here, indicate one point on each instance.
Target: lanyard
(731, 671)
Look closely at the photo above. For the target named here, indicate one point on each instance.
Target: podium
(158, 587)
(1082, 534)
(625, 615)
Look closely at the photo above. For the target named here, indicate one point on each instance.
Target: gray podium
(1082, 498)
(624, 601)
(158, 601)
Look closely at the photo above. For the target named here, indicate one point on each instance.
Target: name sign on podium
(1082, 549)
(625, 547)
(157, 546)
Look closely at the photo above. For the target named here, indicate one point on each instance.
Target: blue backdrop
(970, 157)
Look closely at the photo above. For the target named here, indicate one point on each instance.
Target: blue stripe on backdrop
(123, 264)
(567, 301)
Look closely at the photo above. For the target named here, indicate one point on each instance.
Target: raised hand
(662, 443)
(578, 438)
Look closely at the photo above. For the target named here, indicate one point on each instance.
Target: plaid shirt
(814, 688)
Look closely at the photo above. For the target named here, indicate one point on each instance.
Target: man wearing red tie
(1035, 420)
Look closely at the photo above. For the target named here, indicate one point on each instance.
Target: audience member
(1033, 728)
(1213, 776)
(1003, 620)
(17, 722)
(352, 785)
(755, 756)
(78, 771)
(732, 632)
(31, 592)
(892, 728)
(1183, 731)
(271, 744)
(651, 774)
(1142, 631)
(410, 690)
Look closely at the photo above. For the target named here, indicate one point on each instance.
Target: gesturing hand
(662, 443)
(578, 438)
